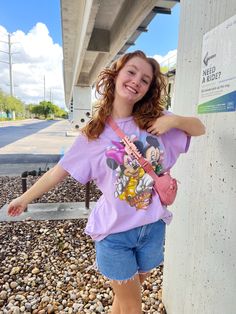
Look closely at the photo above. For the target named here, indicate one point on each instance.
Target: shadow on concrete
(28, 158)
(10, 134)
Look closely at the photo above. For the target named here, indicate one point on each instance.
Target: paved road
(32, 143)
(11, 132)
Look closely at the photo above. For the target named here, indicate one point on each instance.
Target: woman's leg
(143, 277)
(115, 306)
(128, 295)
(116, 309)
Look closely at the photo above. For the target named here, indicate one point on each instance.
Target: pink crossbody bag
(165, 185)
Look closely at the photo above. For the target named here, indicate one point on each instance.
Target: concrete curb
(49, 211)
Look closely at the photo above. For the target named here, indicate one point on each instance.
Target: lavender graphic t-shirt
(128, 199)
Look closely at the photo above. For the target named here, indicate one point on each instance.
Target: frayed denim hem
(123, 281)
(95, 267)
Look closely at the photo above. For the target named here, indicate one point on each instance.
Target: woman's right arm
(50, 179)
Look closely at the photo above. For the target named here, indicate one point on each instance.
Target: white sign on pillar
(218, 73)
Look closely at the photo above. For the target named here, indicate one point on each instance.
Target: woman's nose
(136, 81)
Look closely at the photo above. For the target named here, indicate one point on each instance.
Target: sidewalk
(24, 146)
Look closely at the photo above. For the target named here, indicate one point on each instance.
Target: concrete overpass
(94, 33)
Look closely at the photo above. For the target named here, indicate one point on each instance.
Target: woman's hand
(162, 124)
(16, 207)
(43, 185)
(190, 125)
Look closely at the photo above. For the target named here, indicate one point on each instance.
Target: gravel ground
(46, 266)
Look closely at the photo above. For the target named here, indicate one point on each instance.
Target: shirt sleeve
(76, 160)
(176, 142)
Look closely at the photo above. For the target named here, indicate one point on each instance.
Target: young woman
(128, 221)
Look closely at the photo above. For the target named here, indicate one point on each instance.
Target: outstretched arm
(190, 125)
(43, 185)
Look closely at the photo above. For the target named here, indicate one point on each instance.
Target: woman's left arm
(190, 125)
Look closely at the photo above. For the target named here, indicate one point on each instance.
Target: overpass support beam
(81, 105)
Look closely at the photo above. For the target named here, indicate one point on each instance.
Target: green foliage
(9, 103)
(45, 109)
(164, 69)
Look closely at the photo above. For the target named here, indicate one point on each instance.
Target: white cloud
(168, 60)
(35, 56)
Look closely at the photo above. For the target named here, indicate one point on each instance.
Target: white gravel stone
(3, 295)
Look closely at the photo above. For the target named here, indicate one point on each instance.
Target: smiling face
(133, 80)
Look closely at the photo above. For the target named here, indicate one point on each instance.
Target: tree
(47, 109)
(14, 104)
(61, 113)
(9, 104)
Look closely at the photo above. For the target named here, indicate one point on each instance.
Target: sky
(35, 28)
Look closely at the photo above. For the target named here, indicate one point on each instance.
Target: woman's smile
(131, 89)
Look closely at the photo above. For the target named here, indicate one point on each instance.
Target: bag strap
(115, 127)
(131, 149)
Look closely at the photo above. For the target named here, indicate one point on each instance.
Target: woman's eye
(145, 81)
(131, 72)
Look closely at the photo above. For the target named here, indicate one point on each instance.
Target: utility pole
(10, 53)
(44, 89)
(10, 65)
(51, 95)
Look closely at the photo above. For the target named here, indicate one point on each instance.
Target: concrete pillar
(200, 250)
(81, 105)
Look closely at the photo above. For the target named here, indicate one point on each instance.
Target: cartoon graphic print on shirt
(133, 184)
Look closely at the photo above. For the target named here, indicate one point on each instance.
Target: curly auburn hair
(146, 110)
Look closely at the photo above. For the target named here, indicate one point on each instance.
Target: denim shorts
(120, 256)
